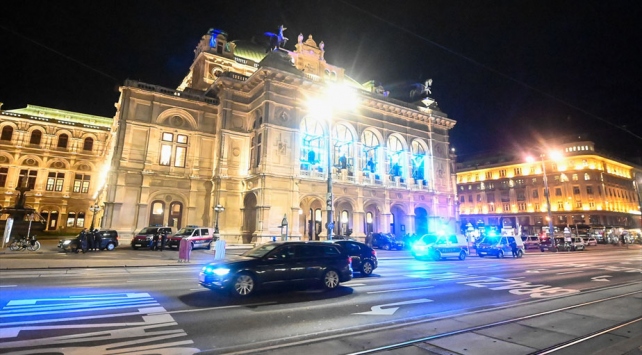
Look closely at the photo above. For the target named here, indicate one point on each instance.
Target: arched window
(418, 159)
(369, 155)
(157, 213)
(89, 144)
(7, 133)
(36, 136)
(396, 163)
(342, 140)
(71, 219)
(175, 215)
(62, 140)
(312, 143)
(80, 221)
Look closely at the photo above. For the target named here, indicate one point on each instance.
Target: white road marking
(352, 285)
(569, 272)
(378, 310)
(401, 289)
(8, 285)
(137, 281)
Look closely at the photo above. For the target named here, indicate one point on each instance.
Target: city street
(585, 301)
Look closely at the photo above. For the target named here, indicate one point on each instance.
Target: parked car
(437, 247)
(200, 237)
(386, 241)
(144, 237)
(545, 242)
(498, 246)
(574, 244)
(590, 241)
(531, 242)
(277, 263)
(108, 241)
(364, 258)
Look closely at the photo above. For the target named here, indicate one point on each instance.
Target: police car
(437, 247)
(200, 237)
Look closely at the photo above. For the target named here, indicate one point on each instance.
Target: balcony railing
(172, 92)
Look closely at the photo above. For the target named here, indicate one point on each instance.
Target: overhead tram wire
(60, 54)
(495, 71)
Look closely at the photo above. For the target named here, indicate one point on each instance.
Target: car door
(306, 263)
(206, 238)
(276, 266)
(354, 250)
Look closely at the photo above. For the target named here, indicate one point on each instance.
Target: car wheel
(541, 249)
(435, 255)
(385, 246)
(110, 246)
(243, 285)
(519, 254)
(367, 268)
(462, 255)
(330, 280)
(500, 254)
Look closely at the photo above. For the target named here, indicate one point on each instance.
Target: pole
(330, 224)
(548, 205)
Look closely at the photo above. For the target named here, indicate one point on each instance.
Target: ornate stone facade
(62, 154)
(239, 132)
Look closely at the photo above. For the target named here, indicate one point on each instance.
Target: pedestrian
(184, 250)
(98, 240)
(155, 241)
(90, 240)
(163, 240)
(513, 247)
(83, 240)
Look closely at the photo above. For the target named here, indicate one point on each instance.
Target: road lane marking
(378, 310)
(352, 285)
(569, 272)
(603, 278)
(131, 281)
(401, 289)
(8, 285)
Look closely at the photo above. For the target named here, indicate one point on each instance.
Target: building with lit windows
(62, 156)
(239, 132)
(586, 187)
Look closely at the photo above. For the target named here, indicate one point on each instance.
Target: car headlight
(66, 242)
(215, 270)
(221, 271)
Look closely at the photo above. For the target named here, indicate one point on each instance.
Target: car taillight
(374, 252)
(350, 260)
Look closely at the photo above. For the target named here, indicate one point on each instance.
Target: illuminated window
(491, 208)
(587, 176)
(592, 205)
(55, 181)
(81, 183)
(502, 173)
(71, 219)
(518, 171)
(563, 178)
(418, 158)
(489, 175)
(537, 208)
(575, 178)
(506, 207)
(396, 161)
(179, 150)
(80, 221)
(313, 143)
(578, 204)
(521, 207)
(560, 205)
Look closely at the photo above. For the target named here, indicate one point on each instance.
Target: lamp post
(94, 209)
(217, 209)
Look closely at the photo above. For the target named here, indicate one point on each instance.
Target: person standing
(163, 240)
(97, 240)
(513, 248)
(155, 241)
(90, 240)
(83, 240)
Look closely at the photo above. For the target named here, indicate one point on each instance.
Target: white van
(435, 247)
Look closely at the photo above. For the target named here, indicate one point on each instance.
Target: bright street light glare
(530, 159)
(342, 97)
(555, 155)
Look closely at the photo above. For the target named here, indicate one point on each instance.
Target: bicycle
(31, 244)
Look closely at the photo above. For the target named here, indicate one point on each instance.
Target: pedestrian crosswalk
(123, 323)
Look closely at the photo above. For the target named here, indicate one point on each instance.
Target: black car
(144, 237)
(108, 241)
(386, 241)
(277, 263)
(364, 258)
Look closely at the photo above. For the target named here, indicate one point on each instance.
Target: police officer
(83, 240)
(163, 240)
(155, 241)
(90, 240)
(97, 240)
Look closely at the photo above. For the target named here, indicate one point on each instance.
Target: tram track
(297, 344)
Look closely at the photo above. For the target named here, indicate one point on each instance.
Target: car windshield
(491, 240)
(148, 230)
(185, 231)
(428, 238)
(259, 251)
(446, 239)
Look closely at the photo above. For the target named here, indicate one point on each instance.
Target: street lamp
(336, 97)
(94, 209)
(217, 209)
(551, 231)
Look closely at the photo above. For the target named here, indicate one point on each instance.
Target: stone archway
(249, 218)
(399, 221)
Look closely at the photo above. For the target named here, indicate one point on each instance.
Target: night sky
(511, 73)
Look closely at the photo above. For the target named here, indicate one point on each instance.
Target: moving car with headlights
(108, 241)
(144, 237)
(386, 241)
(498, 246)
(201, 237)
(278, 263)
(437, 247)
(364, 258)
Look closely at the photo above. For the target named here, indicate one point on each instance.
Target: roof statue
(420, 90)
(276, 39)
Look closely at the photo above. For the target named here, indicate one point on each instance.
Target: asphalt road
(154, 310)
